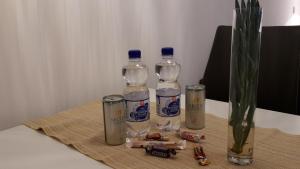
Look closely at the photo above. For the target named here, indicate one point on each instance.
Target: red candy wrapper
(156, 136)
(191, 136)
(200, 156)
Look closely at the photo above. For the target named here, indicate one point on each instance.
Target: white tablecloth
(21, 147)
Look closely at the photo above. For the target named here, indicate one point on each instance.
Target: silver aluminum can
(114, 117)
(195, 106)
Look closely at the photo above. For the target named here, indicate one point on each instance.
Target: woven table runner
(82, 128)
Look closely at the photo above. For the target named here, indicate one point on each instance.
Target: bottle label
(137, 111)
(168, 106)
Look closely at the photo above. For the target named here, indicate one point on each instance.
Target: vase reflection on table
(245, 56)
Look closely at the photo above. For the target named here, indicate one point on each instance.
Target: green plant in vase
(245, 57)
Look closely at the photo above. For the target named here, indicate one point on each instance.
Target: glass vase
(244, 70)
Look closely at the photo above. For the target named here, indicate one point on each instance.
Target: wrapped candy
(204, 162)
(191, 136)
(156, 136)
(200, 156)
(180, 145)
(160, 151)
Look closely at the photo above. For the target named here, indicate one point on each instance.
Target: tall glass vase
(244, 70)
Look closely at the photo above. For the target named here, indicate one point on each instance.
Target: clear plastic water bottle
(168, 93)
(136, 96)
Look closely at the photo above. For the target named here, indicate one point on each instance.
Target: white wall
(188, 26)
(297, 2)
(277, 12)
(55, 54)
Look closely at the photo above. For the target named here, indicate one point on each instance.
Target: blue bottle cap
(134, 54)
(167, 51)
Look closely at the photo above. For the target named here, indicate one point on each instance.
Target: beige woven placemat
(82, 128)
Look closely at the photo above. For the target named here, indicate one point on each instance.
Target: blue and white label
(168, 106)
(137, 111)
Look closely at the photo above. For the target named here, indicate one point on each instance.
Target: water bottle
(136, 96)
(167, 93)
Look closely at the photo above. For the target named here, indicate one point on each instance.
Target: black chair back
(279, 77)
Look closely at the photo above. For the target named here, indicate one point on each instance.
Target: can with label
(114, 117)
(195, 106)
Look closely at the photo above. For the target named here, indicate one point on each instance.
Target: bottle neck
(168, 59)
(135, 60)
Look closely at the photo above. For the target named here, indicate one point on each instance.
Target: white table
(21, 147)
